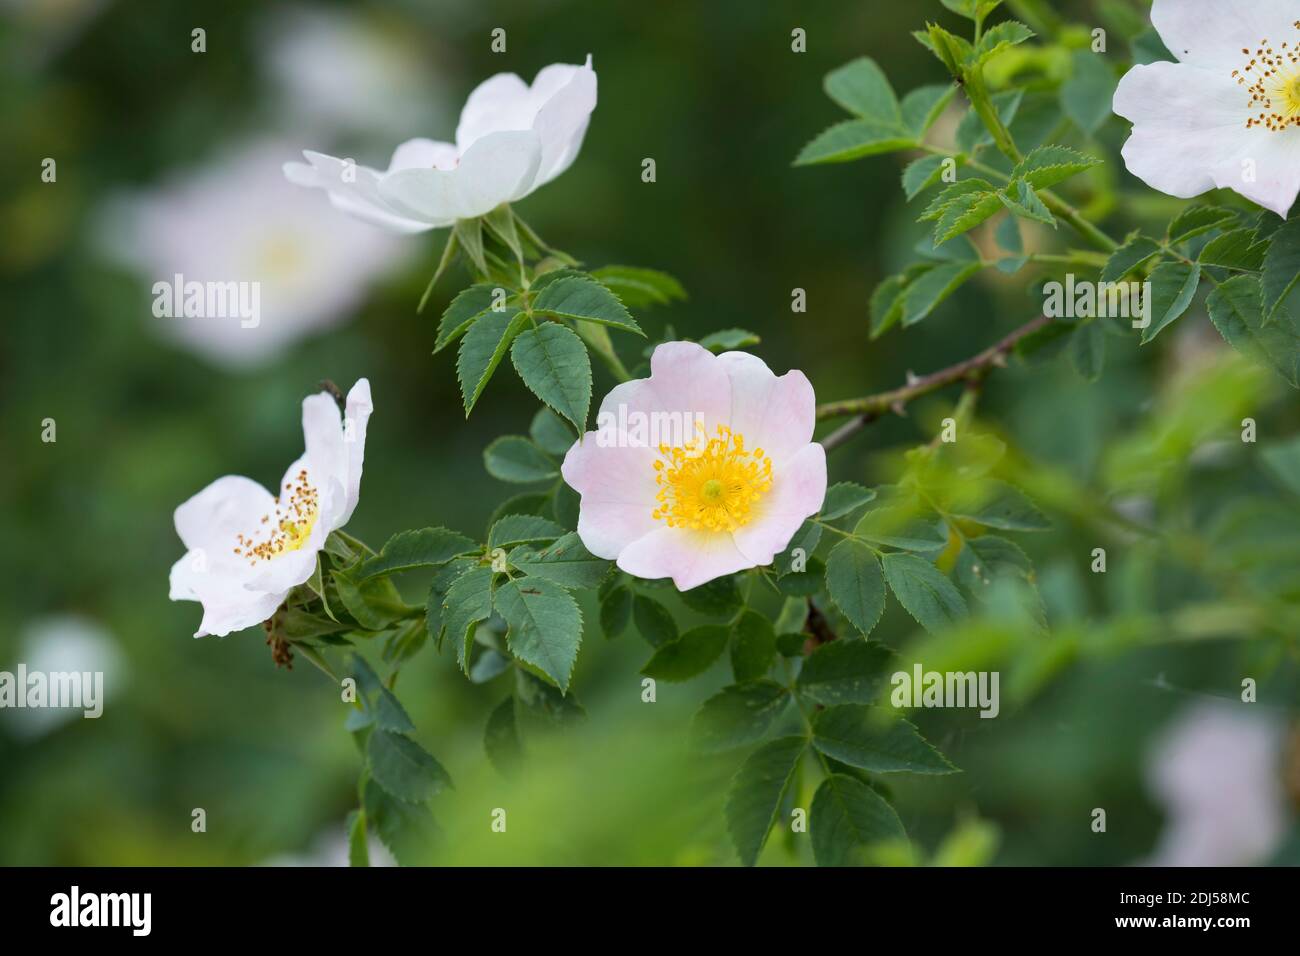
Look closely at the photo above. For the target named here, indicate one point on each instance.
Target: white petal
(359, 406)
(1190, 136)
(501, 102)
(499, 167)
(229, 506)
(617, 488)
(690, 558)
(775, 414)
(798, 490)
(1212, 33)
(227, 605)
(424, 154)
(569, 97)
(353, 189)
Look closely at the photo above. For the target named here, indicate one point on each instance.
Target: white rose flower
(236, 221)
(1227, 114)
(511, 139)
(248, 548)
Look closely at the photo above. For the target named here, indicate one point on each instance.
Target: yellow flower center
(289, 529)
(710, 484)
(1272, 78)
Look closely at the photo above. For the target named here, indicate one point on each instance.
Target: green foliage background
(714, 94)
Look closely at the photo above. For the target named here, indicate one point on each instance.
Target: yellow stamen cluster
(292, 525)
(1272, 78)
(710, 484)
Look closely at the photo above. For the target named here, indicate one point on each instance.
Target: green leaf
(582, 299)
(1238, 249)
(554, 365)
(1046, 166)
(423, 548)
(754, 798)
(516, 459)
(921, 174)
(720, 597)
(862, 88)
(923, 591)
(653, 622)
(855, 734)
(846, 672)
(566, 561)
(886, 306)
(404, 768)
(953, 194)
(1020, 198)
(1195, 220)
(1087, 350)
(972, 9)
(1281, 268)
(805, 540)
(375, 604)
(848, 816)
(1237, 312)
(996, 504)
(844, 498)
(728, 340)
(855, 584)
(483, 348)
(1136, 250)
(1004, 35)
(541, 703)
(358, 847)
(464, 311)
(689, 655)
(753, 646)
(405, 828)
(501, 223)
(929, 291)
(501, 740)
(467, 603)
(522, 529)
(921, 107)
(551, 433)
(989, 558)
(963, 215)
(1173, 285)
(738, 715)
(389, 714)
(952, 51)
(469, 235)
(640, 287)
(545, 625)
(972, 135)
(1283, 462)
(616, 612)
(1087, 95)
(854, 139)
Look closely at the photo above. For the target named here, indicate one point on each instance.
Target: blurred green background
(713, 93)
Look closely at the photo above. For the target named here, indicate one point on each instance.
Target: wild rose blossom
(511, 139)
(248, 548)
(728, 497)
(1227, 114)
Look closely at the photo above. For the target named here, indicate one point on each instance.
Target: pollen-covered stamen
(710, 484)
(1272, 78)
(296, 510)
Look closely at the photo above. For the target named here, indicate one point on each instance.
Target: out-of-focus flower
(283, 265)
(248, 548)
(330, 848)
(1227, 114)
(65, 644)
(511, 139)
(703, 469)
(336, 72)
(1218, 772)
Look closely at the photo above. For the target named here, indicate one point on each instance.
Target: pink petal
(690, 558)
(798, 490)
(775, 414)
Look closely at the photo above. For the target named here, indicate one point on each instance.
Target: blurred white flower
(64, 643)
(237, 221)
(1227, 114)
(333, 71)
(330, 848)
(248, 548)
(1218, 772)
(511, 139)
